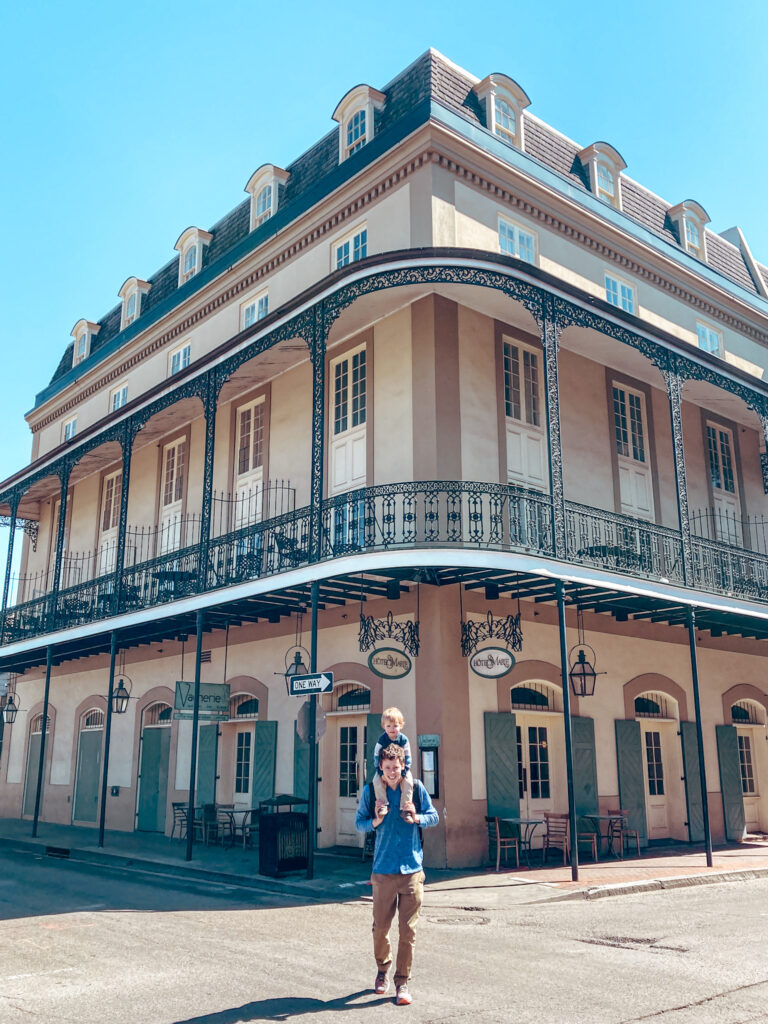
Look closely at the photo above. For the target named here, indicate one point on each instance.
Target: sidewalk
(342, 875)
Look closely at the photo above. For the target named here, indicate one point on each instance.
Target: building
(468, 376)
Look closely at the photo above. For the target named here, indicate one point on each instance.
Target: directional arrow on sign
(299, 686)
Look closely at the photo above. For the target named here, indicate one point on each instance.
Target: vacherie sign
(389, 663)
(492, 662)
(214, 701)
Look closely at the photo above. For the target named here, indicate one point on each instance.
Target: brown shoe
(381, 984)
(403, 997)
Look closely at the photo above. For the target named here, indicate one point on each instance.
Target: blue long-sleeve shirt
(398, 847)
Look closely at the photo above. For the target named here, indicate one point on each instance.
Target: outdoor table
(596, 819)
(527, 828)
(174, 581)
(240, 825)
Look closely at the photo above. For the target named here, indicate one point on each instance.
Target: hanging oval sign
(389, 663)
(492, 662)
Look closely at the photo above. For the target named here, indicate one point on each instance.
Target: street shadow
(284, 1008)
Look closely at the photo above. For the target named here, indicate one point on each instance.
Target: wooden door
(631, 440)
(351, 778)
(172, 495)
(88, 778)
(527, 462)
(153, 778)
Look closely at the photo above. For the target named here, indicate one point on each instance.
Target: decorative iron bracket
(507, 630)
(405, 633)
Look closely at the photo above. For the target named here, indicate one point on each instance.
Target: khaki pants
(403, 893)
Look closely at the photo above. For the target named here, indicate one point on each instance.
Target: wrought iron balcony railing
(462, 514)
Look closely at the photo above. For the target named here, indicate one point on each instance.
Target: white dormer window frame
(190, 246)
(690, 221)
(356, 117)
(69, 429)
(254, 309)
(604, 165)
(179, 359)
(132, 293)
(504, 103)
(83, 333)
(264, 190)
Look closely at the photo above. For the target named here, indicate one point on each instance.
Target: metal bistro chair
(557, 834)
(179, 820)
(207, 823)
(620, 830)
(501, 843)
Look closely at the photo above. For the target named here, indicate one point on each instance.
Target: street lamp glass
(120, 698)
(582, 676)
(10, 710)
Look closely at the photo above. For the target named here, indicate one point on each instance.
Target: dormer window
(266, 187)
(132, 294)
(689, 221)
(356, 116)
(190, 246)
(83, 332)
(603, 165)
(504, 103)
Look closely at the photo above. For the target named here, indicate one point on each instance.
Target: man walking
(397, 878)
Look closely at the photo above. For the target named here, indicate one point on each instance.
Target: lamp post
(117, 703)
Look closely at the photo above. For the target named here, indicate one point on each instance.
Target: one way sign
(299, 686)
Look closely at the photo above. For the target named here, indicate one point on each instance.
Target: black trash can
(283, 835)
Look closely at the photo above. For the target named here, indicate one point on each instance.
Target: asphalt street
(97, 947)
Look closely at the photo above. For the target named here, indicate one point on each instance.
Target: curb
(599, 892)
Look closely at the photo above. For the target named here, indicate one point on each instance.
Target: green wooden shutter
(372, 732)
(33, 770)
(730, 782)
(501, 778)
(629, 756)
(300, 765)
(692, 777)
(207, 751)
(264, 758)
(584, 769)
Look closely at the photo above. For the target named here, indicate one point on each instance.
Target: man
(397, 878)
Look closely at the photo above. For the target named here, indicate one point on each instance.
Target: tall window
(720, 453)
(356, 137)
(263, 205)
(709, 339)
(130, 309)
(517, 242)
(173, 472)
(628, 423)
(620, 294)
(118, 398)
(110, 504)
(606, 183)
(351, 249)
(243, 763)
(654, 764)
(349, 393)
(250, 443)
(180, 358)
(70, 429)
(505, 122)
(255, 310)
(522, 388)
(692, 237)
(538, 762)
(745, 765)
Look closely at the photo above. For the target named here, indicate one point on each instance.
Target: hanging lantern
(10, 710)
(582, 672)
(120, 697)
(297, 667)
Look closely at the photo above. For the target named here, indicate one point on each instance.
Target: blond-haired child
(392, 722)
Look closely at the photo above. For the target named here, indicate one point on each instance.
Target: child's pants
(406, 788)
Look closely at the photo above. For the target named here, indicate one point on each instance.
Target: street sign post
(318, 682)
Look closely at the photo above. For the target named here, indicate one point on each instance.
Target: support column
(14, 504)
(568, 731)
(107, 734)
(674, 385)
(691, 620)
(317, 354)
(312, 809)
(64, 481)
(764, 453)
(195, 720)
(44, 733)
(550, 340)
(129, 434)
(211, 402)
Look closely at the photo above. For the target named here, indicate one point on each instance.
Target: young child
(392, 722)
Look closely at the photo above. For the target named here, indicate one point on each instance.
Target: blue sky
(124, 124)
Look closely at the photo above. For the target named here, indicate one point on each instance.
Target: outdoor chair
(621, 832)
(207, 823)
(557, 835)
(179, 819)
(501, 842)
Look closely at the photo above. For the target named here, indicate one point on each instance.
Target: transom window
(118, 398)
(628, 419)
(620, 294)
(516, 241)
(351, 249)
(69, 429)
(180, 358)
(255, 310)
(243, 763)
(350, 697)
(263, 205)
(653, 705)
(709, 339)
(720, 451)
(745, 712)
(505, 121)
(93, 719)
(349, 392)
(250, 437)
(243, 705)
(158, 714)
(522, 384)
(534, 697)
(606, 183)
(37, 724)
(356, 136)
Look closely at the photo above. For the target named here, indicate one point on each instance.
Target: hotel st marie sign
(492, 662)
(389, 663)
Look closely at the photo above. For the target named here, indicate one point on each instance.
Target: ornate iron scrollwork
(507, 630)
(405, 633)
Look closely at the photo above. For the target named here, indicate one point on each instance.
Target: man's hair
(392, 715)
(393, 752)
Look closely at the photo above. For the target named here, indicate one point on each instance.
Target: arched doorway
(88, 769)
(153, 767)
(658, 716)
(33, 760)
(538, 714)
(749, 718)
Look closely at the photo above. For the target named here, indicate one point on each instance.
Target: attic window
(356, 117)
(264, 204)
(190, 246)
(689, 220)
(83, 332)
(606, 183)
(504, 103)
(265, 187)
(505, 120)
(132, 294)
(603, 165)
(356, 132)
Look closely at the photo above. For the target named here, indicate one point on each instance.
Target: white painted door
(524, 414)
(351, 761)
(656, 778)
(110, 520)
(172, 495)
(349, 413)
(537, 762)
(747, 739)
(243, 779)
(69, 570)
(727, 507)
(631, 439)
(249, 464)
